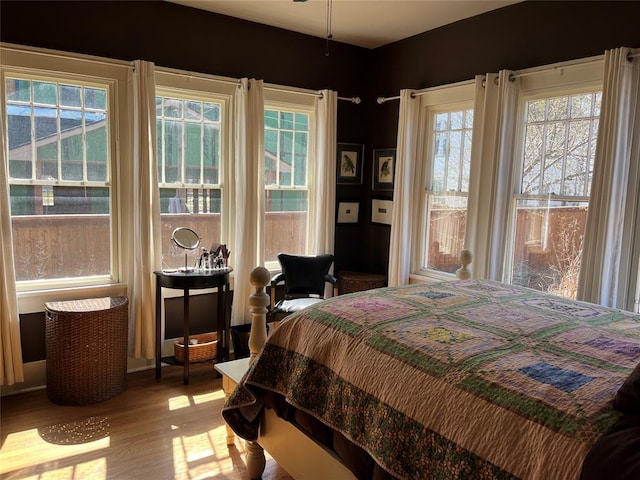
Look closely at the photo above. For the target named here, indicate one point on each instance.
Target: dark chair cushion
(305, 274)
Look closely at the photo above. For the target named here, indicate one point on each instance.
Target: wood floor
(153, 430)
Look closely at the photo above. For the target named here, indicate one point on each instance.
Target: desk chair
(304, 279)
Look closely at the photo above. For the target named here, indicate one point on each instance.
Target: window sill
(430, 277)
(32, 301)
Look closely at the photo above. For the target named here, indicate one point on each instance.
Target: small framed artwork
(348, 212)
(349, 163)
(381, 211)
(384, 163)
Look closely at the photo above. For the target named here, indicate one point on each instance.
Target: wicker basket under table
(86, 349)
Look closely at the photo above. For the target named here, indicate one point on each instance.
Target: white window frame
(39, 64)
(294, 101)
(457, 96)
(566, 78)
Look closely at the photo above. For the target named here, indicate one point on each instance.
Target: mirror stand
(186, 239)
(186, 267)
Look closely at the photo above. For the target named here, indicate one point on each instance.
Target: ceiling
(365, 23)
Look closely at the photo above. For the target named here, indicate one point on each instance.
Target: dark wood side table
(185, 281)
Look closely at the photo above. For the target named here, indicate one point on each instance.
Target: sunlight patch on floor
(95, 470)
(200, 456)
(184, 401)
(29, 449)
(181, 401)
(208, 397)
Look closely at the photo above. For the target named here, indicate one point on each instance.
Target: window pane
(70, 96)
(270, 119)
(447, 223)
(557, 108)
(172, 108)
(58, 231)
(286, 157)
(192, 153)
(18, 90)
(172, 151)
(19, 121)
(71, 144)
(210, 154)
(95, 98)
(193, 110)
(554, 158)
(97, 149)
(45, 93)
(531, 178)
(548, 245)
(212, 111)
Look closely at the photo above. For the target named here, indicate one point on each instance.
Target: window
(450, 134)
(447, 119)
(287, 146)
(189, 150)
(60, 153)
(558, 148)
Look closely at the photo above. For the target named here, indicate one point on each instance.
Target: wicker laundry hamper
(86, 349)
(350, 282)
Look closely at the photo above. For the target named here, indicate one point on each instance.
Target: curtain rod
(424, 91)
(554, 68)
(513, 76)
(311, 93)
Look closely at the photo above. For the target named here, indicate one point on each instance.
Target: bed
(461, 379)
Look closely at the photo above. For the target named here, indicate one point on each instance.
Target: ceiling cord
(329, 35)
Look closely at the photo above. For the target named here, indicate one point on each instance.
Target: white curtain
(322, 204)
(406, 190)
(145, 236)
(247, 192)
(611, 247)
(494, 120)
(11, 370)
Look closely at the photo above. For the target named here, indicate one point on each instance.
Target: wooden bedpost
(463, 273)
(258, 301)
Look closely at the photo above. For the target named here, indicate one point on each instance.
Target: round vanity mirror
(187, 239)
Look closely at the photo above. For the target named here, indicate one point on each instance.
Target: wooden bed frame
(299, 455)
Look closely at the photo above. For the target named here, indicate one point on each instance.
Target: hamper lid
(86, 305)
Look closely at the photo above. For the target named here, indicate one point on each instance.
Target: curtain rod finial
(380, 100)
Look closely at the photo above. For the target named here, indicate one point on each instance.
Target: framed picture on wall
(381, 211)
(348, 212)
(349, 163)
(384, 163)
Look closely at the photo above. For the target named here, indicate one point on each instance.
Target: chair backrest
(305, 274)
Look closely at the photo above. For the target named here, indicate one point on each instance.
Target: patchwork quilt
(463, 379)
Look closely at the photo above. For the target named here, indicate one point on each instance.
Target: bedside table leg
(228, 386)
